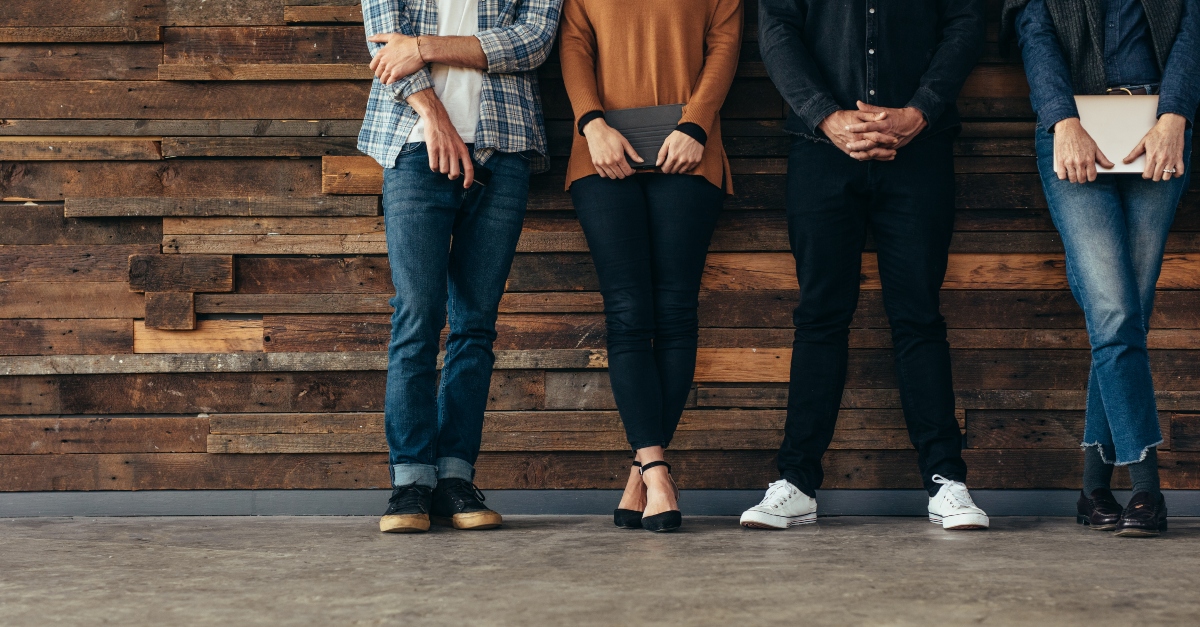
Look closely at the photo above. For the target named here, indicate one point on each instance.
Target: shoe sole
(768, 521)
(1086, 523)
(971, 521)
(1141, 533)
(473, 521)
(404, 523)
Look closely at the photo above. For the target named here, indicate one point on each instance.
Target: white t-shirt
(458, 88)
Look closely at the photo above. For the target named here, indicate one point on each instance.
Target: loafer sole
(1138, 533)
(404, 523)
(471, 521)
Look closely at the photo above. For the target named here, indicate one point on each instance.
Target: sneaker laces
(778, 493)
(960, 497)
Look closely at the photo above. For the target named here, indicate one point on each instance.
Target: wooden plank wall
(194, 292)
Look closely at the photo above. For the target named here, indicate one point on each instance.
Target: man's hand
(679, 154)
(1076, 153)
(1163, 147)
(609, 147)
(446, 148)
(399, 57)
(861, 146)
(901, 124)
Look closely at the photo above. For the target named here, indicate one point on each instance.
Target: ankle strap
(637, 463)
(655, 465)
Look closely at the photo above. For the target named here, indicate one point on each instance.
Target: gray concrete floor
(582, 571)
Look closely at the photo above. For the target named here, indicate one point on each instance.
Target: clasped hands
(871, 132)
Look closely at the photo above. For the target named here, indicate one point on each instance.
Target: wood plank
(114, 62)
(266, 72)
(298, 14)
(32, 224)
(185, 392)
(209, 336)
(102, 434)
(180, 273)
(265, 45)
(65, 337)
(258, 146)
(1007, 429)
(1185, 432)
(292, 303)
(184, 99)
(369, 244)
(223, 12)
(170, 310)
(351, 175)
(79, 149)
(253, 206)
(273, 226)
(56, 263)
(29, 299)
(81, 12)
(176, 178)
(192, 128)
(80, 34)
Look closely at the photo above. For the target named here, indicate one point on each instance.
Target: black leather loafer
(1100, 511)
(1144, 517)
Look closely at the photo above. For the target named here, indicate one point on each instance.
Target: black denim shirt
(825, 55)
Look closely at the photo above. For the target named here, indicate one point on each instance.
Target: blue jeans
(1114, 231)
(449, 249)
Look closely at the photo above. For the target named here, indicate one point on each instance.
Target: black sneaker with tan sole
(408, 510)
(458, 503)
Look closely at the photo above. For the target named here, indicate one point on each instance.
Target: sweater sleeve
(577, 53)
(722, 44)
(1046, 68)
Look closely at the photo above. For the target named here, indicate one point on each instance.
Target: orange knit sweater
(620, 54)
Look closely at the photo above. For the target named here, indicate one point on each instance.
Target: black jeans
(649, 235)
(909, 205)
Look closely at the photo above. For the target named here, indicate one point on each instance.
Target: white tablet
(1118, 123)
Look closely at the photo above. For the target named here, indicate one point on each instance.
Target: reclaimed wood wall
(193, 287)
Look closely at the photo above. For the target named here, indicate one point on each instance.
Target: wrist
(1173, 120)
(594, 126)
(421, 45)
(1066, 124)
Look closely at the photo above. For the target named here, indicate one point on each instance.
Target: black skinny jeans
(649, 235)
(909, 205)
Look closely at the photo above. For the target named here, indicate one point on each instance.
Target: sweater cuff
(693, 130)
(588, 117)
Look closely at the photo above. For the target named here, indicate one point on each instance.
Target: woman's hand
(609, 147)
(1163, 147)
(679, 154)
(1076, 153)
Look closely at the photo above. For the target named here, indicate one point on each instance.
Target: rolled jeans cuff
(455, 468)
(420, 474)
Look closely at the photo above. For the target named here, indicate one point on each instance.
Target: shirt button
(871, 10)
(872, 92)
(871, 51)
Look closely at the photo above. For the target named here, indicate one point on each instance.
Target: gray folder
(646, 128)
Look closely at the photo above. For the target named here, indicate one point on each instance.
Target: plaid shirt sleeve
(381, 17)
(525, 44)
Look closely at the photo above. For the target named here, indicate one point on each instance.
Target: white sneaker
(783, 506)
(953, 508)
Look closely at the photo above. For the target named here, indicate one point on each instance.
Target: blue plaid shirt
(516, 36)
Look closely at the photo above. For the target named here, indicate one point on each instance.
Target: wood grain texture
(106, 434)
(265, 72)
(80, 34)
(65, 337)
(209, 336)
(72, 263)
(180, 273)
(113, 62)
(170, 311)
(79, 149)
(263, 206)
(34, 299)
(193, 128)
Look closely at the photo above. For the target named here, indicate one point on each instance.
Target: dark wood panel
(271, 44)
(57, 263)
(33, 225)
(223, 178)
(180, 273)
(65, 337)
(170, 100)
(114, 62)
(30, 299)
(91, 434)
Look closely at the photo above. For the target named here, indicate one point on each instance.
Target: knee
(628, 320)
(1113, 322)
(817, 323)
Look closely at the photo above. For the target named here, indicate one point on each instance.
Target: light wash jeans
(1114, 231)
(449, 249)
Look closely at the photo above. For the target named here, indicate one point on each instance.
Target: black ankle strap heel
(666, 521)
(628, 518)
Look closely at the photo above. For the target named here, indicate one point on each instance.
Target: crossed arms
(401, 58)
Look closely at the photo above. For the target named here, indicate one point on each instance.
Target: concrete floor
(582, 571)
